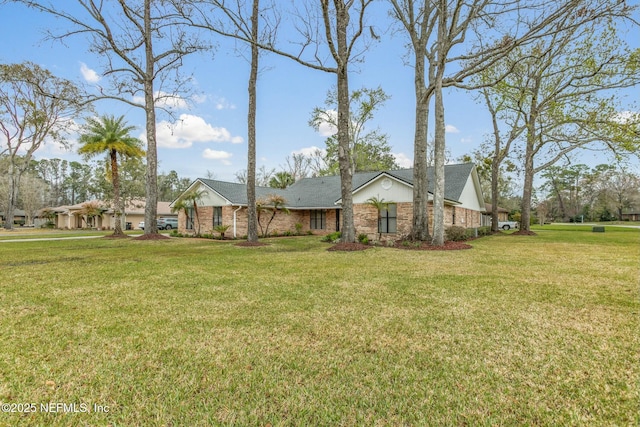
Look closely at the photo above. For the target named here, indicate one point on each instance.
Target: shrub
(332, 237)
(221, 229)
(455, 234)
(484, 231)
(298, 228)
(363, 238)
(288, 233)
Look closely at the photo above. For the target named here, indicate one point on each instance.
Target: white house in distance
(314, 203)
(75, 216)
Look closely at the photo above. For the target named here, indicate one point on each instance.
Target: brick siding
(365, 220)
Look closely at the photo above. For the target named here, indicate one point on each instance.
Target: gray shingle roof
(324, 192)
(236, 193)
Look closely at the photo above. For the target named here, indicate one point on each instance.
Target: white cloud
(191, 129)
(327, 128)
(451, 129)
(89, 75)
(466, 140)
(223, 104)
(199, 99)
(217, 155)
(403, 160)
(624, 117)
(165, 100)
(310, 151)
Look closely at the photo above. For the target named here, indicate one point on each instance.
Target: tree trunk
(252, 216)
(438, 175)
(495, 176)
(420, 227)
(527, 192)
(117, 229)
(151, 205)
(12, 196)
(342, 22)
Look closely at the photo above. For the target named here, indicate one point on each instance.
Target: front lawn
(186, 332)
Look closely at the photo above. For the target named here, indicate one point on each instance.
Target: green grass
(516, 331)
(42, 233)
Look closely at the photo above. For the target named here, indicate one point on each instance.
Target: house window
(453, 218)
(217, 215)
(318, 220)
(190, 217)
(388, 219)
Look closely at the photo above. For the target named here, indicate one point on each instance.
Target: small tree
(182, 205)
(380, 206)
(91, 210)
(49, 215)
(221, 229)
(272, 204)
(188, 201)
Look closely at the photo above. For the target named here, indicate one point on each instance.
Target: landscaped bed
(520, 330)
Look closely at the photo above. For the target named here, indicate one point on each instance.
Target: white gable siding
(398, 192)
(210, 197)
(470, 198)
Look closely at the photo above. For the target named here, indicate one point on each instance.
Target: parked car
(508, 225)
(141, 225)
(167, 223)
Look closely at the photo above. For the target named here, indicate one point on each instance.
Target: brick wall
(365, 220)
(281, 222)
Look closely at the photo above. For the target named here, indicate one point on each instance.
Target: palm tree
(380, 206)
(187, 201)
(111, 135)
(281, 180)
(272, 204)
(91, 210)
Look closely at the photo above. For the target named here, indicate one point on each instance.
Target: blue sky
(213, 135)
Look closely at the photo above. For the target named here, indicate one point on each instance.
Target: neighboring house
(503, 215)
(19, 217)
(74, 217)
(315, 203)
(630, 215)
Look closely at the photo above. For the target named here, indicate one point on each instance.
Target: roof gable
(324, 192)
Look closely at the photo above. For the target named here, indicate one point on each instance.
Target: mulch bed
(152, 237)
(524, 233)
(423, 246)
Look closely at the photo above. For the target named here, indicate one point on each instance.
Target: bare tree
(502, 142)
(329, 36)
(566, 86)
(263, 176)
(35, 108)
(369, 150)
(142, 44)
(489, 30)
(32, 196)
(297, 165)
(245, 21)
